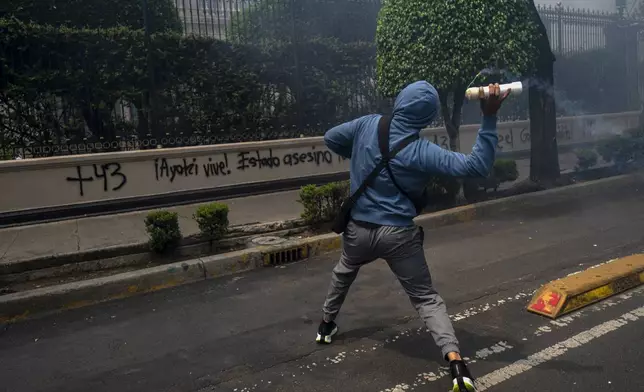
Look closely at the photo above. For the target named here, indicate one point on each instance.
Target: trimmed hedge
(322, 203)
(59, 83)
(504, 170)
(625, 149)
(163, 229)
(586, 159)
(212, 220)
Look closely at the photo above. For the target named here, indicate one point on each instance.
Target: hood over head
(417, 105)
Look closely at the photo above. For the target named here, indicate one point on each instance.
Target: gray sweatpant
(402, 249)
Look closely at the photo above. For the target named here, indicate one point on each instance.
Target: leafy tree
(94, 13)
(447, 42)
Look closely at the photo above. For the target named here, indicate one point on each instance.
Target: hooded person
(382, 226)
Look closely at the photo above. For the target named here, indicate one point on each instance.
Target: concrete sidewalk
(84, 234)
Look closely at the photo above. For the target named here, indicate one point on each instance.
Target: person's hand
(491, 105)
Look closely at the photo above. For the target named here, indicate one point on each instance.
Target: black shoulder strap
(383, 142)
(383, 131)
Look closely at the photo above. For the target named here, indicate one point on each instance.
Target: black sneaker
(462, 380)
(326, 332)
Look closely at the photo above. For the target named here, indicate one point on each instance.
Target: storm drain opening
(286, 256)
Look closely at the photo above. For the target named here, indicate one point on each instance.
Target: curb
(576, 291)
(572, 196)
(22, 305)
(139, 253)
(39, 302)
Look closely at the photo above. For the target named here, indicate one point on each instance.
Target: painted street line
(309, 365)
(557, 350)
(425, 378)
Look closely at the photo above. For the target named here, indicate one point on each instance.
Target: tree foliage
(162, 14)
(447, 42)
(269, 21)
(65, 85)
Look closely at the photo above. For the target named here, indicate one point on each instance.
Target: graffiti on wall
(108, 176)
(111, 177)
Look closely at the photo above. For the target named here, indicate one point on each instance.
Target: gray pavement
(90, 233)
(254, 331)
(98, 232)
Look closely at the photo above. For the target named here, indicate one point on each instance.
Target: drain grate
(286, 256)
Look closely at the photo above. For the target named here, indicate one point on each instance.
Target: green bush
(586, 158)
(163, 229)
(624, 149)
(441, 192)
(212, 220)
(322, 203)
(505, 170)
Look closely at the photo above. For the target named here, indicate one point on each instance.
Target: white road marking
(557, 350)
(422, 378)
(425, 378)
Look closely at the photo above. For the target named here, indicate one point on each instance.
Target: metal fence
(596, 72)
(223, 19)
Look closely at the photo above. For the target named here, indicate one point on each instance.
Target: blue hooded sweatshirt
(415, 108)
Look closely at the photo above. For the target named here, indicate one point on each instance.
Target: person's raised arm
(479, 162)
(339, 139)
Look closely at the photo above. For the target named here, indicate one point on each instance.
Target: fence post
(559, 9)
(149, 94)
(298, 80)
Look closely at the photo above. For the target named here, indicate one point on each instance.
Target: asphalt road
(255, 331)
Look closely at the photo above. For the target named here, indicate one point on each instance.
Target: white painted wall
(68, 180)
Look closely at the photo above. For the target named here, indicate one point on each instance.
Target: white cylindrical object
(484, 91)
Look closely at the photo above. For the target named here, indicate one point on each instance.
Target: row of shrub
(322, 203)
(622, 150)
(165, 234)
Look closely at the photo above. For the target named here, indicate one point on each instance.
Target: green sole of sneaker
(469, 386)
